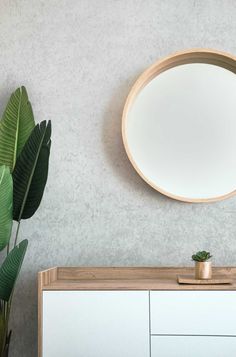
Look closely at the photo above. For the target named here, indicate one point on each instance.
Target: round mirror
(179, 126)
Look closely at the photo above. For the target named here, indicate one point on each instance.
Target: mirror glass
(179, 131)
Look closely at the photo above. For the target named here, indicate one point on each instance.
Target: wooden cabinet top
(132, 278)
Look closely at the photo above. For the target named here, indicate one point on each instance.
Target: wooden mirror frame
(207, 56)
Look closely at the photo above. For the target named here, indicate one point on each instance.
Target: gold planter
(203, 270)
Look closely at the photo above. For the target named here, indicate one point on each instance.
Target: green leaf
(15, 127)
(10, 269)
(31, 172)
(6, 197)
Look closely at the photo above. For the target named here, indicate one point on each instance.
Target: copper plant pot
(203, 270)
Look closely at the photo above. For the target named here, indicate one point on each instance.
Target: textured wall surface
(78, 60)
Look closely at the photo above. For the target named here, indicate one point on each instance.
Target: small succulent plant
(201, 256)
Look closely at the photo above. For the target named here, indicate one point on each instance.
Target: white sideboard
(134, 312)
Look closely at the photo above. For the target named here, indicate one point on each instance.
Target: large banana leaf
(10, 269)
(31, 172)
(6, 196)
(15, 127)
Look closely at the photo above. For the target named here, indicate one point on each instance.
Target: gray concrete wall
(78, 60)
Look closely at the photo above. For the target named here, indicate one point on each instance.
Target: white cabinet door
(192, 346)
(193, 312)
(95, 324)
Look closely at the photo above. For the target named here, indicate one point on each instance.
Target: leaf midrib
(3, 172)
(17, 130)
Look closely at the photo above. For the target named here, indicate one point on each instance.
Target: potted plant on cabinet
(203, 268)
(24, 157)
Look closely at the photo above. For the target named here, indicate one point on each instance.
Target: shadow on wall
(114, 148)
(20, 316)
(5, 94)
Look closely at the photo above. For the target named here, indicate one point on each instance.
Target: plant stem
(17, 231)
